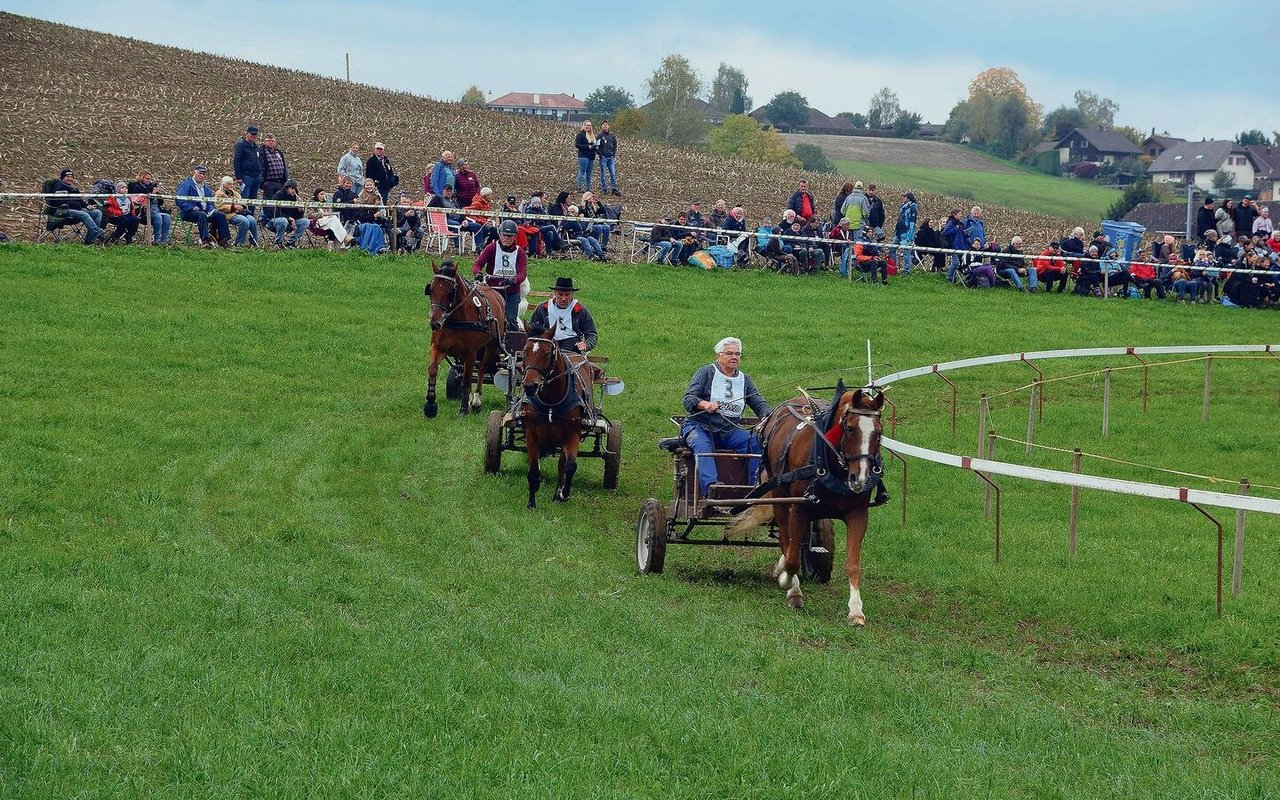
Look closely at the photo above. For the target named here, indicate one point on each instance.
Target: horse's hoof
(857, 621)
(795, 601)
(532, 505)
(429, 410)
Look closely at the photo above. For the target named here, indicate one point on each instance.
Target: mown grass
(236, 560)
(1026, 190)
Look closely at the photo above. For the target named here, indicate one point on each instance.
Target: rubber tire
(613, 455)
(452, 379)
(493, 443)
(651, 537)
(817, 566)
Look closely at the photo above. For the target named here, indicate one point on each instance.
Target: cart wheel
(651, 537)
(613, 455)
(493, 443)
(451, 381)
(817, 566)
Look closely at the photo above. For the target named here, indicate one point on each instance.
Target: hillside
(906, 152)
(184, 108)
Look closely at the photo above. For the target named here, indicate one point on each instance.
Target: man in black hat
(504, 266)
(247, 163)
(570, 321)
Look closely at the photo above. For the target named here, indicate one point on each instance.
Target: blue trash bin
(1126, 236)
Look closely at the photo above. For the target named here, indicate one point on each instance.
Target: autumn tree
(608, 100)
(729, 83)
(788, 110)
(473, 96)
(884, 108)
(740, 135)
(997, 115)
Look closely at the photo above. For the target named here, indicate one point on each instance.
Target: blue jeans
(952, 267)
(246, 228)
(846, 253)
(251, 184)
(703, 441)
(584, 173)
(902, 255)
(281, 226)
(664, 249)
(1012, 275)
(92, 220)
(161, 223)
(607, 168)
(1188, 286)
(601, 232)
(590, 246)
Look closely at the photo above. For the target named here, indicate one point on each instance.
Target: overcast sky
(1191, 68)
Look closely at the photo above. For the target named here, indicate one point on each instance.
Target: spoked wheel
(613, 455)
(817, 566)
(452, 379)
(493, 443)
(651, 537)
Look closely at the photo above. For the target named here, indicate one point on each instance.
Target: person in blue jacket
(954, 237)
(247, 163)
(202, 211)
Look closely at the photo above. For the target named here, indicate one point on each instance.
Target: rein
(457, 303)
(815, 469)
(572, 397)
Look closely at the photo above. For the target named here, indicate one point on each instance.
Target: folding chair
(438, 231)
(641, 243)
(53, 227)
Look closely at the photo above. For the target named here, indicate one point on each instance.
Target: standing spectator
(247, 163)
(875, 216)
(608, 146)
(1205, 218)
(229, 202)
(1051, 269)
(856, 208)
(466, 184)
(1225, 218)
(928, 236)
(802, 201)
(74, 207)
(161, 221)
(840, 233)
(380, 170)
(426, 178)
(287, 217)
(350, 166)
(837, 208)
(954, 238)
(122, 212)
(1245, 213)
(974, 227)
(201, 211)
(275, 169)
(904, 232)
(1263, 225)
(588, 147)
(443, 174)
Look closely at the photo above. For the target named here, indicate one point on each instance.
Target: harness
(573, 397)
(456, 303)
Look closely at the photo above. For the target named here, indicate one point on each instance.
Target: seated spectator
(786, 242)
(808, 253)
(479, 225)
(812, 230)
(1243, 290)
(229, 202)
(1015, 269)
(1072, 248)
(201, 211)
(345, 198)
(286, 216)
(735, 228)
(122, 212)
(1089, 276)
(560, 208)
(718, 215)
(976, 266)
(1184, 285)
(1103, 244)
(548, 230)
(662, 240)
(70, 205)
(686, 240)
(1115, 275)
(371, 210)
(408, 224)
(323, 220)
(1204, 271)
(161, 220)
(577, 230)
(1145, 279)
(1051, 268)
(594, 212)
(866, 255)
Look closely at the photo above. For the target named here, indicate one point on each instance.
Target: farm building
(1093, 146)
(1196, 162)
(1266, 159)
(536, 104)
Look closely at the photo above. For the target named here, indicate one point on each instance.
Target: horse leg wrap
(430, 408)
(566, 480)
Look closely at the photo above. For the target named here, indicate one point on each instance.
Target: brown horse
(467, 320)
(829, 453)
(556, 403)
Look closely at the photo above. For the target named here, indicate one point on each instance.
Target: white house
(1196, 163)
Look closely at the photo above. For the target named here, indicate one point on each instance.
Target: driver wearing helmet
(717, 395)
(504, 267)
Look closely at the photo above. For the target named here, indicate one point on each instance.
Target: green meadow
(236, 561)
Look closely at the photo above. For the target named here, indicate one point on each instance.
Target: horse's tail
(749, 520)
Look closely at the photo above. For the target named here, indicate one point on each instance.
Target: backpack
(723, 255)
(102, 186)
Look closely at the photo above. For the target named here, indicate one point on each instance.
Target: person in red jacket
(1051, 268)
(504, 266)
(1145, 279)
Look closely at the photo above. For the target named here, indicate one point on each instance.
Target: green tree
(739, 104)
(740, 135)
(1099, 112)
(1255, 136)
(812, 158)
(906, 125)
(857, 120)
(725, 88)
(672, 116)
(608, 100)
(884, 108)
(630, 122)
(1142, 191)
(1131, 133)
(1223, 180)
(998, 115)
(1061, 121)
(788, 110)
(473, 96)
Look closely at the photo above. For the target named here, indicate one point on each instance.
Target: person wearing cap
(717, 396)
(70, 205)
(275, 171)
(856, 207)
(201, 210)
(443, 174)
(287, 217)
(573, 327)
(466, 184)
(607, 144)
(350, 166)
(246, 163)
(1051, 268)
(504, 266)
(904, 232)
(380, 170)
(229, 202)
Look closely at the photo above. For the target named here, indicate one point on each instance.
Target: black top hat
(564, 285)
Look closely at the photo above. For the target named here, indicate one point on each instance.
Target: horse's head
(541, 360)
(445, 290)
(859, 418)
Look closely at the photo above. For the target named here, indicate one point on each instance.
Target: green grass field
(237, 561)
(1028, 190)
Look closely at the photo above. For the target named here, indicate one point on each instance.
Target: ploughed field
(237, 560)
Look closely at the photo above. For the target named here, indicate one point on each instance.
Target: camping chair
(53, 227)
(641, 244)
(438, 231)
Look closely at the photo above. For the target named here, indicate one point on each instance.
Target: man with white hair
(717, 395)
(443, 174)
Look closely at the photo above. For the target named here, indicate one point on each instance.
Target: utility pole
(1191, 194)
(348, 68)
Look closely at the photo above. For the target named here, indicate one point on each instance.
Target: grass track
(1026, 190)
(236, 560)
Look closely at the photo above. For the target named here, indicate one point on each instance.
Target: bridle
(848, 461)
(454, 302)
(547, 376)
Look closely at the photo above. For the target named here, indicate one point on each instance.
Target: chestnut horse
(467, 320)
(556, 403)
(829, 453)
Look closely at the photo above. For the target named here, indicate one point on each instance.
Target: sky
(1171, 66)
